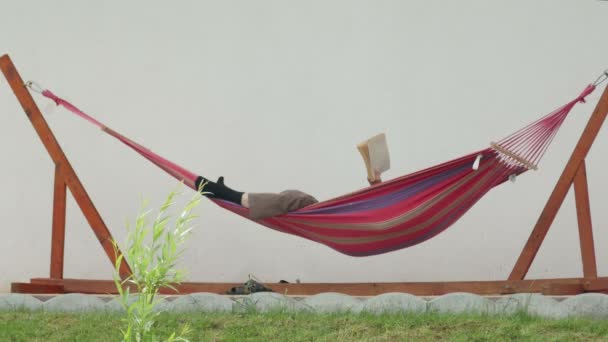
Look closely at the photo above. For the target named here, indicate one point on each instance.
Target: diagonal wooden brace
(66, 175)
(574, 167)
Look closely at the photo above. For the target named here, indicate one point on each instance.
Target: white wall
(274, 95)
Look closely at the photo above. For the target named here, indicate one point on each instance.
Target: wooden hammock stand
(574, 174)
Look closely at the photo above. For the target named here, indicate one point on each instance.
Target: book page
(378, 153)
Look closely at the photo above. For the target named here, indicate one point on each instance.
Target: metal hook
(35, 87)
(601, 78)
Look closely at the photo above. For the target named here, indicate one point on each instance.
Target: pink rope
(61, 102)
(173, 169)
(531, 142)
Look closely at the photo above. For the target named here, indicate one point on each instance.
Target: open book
(375, 155)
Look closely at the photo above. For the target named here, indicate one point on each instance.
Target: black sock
(218, 190)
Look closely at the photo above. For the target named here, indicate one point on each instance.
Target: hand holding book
(375, 155)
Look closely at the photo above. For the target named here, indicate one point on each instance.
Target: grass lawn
(41, 326)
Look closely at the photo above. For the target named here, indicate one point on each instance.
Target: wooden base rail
(566, 286)
(574, 174)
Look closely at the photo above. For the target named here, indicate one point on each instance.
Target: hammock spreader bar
(400, 212)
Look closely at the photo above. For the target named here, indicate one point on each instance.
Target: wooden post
(561, 189)
(585, 231)
(67, 172)
(58, 235)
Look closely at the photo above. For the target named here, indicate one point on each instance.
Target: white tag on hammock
(513, 178)
(476, 163)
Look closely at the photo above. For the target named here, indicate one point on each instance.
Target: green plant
(152, 252)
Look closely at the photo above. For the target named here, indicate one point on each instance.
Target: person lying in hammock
(261, 205)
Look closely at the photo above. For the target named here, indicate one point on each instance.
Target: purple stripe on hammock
(388, 199)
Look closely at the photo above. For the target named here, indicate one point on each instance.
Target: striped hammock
(401, 212)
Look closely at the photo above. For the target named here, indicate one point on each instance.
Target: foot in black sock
(218, 190)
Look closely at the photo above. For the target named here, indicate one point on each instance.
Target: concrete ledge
(594, 305)
(267, 302)
(590, 305)
(531, 303)
(17, 302)
(114, 304)
(392, 303)
(201, 302)
(74, 302)
(332, 302)
(461, 303)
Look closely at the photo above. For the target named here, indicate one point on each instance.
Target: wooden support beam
(58, 233)
(562, 289)
(495, 287)
(596, 285)
(52, 146)
(585, 231)
(37, 288)
(561, 189)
